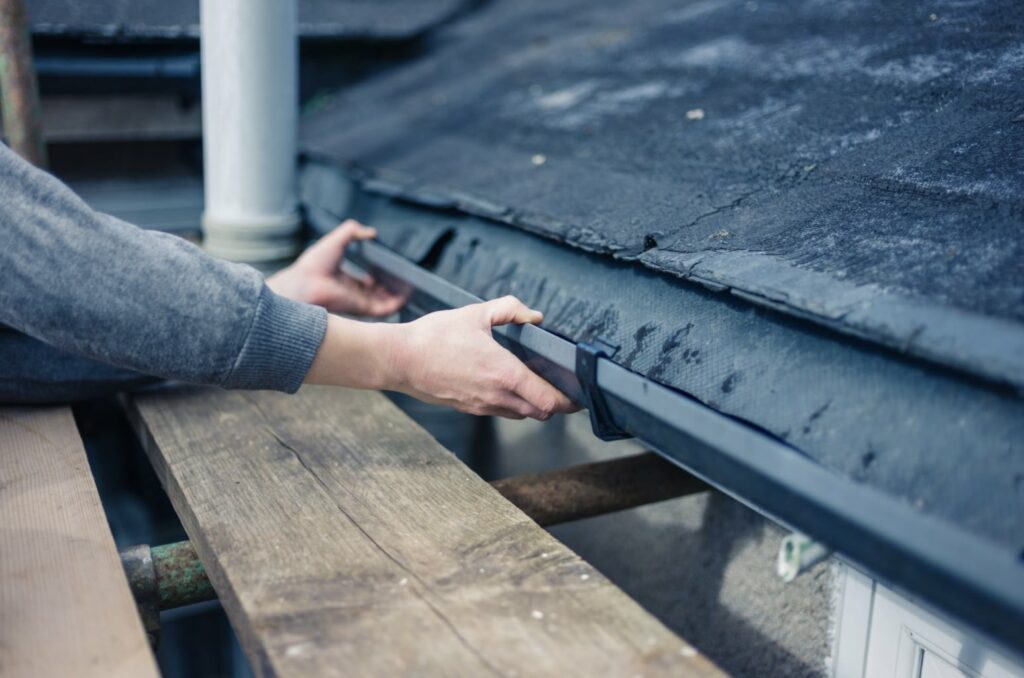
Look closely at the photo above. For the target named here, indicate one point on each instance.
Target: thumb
(510, 310)
(325, 254)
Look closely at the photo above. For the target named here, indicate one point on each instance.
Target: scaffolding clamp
(587, 355)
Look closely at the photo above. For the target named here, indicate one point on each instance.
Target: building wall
(881, 633)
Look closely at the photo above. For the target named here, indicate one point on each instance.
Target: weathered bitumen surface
(148, 20)
(857, 163)
(952, 447)
(807, 215)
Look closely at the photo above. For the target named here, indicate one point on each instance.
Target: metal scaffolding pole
(170, 576)
(587, 490)
(19, 91)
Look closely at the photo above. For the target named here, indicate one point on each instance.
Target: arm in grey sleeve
(92, 285)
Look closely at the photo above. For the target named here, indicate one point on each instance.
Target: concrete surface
(704, 564)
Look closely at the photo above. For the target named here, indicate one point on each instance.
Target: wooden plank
(65, 605)
(342, 538)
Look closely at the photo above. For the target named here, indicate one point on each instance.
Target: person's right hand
(447, 358)
(450, 358)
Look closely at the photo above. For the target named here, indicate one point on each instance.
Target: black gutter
(928, 560)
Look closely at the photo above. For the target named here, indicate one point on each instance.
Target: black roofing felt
(858, 163)
(175, 20)
(949, 446)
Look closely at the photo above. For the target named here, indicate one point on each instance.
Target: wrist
(287, 283)
(386, 355)
(356, 354)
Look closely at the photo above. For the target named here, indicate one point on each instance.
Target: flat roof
(808, 217)
(145, 20)
(860, 164)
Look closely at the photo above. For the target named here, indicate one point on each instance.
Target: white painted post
(250, 117)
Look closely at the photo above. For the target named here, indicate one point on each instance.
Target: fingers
(347, 231)
(379, 307)
(532, 395)
(325, 254)
(379, 302)
(505, 405)
(360, 297)
(383, 300)
(508, 411)
(541, 395)
(510, 310)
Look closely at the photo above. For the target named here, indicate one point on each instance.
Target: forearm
(35, 373)
(97, 287)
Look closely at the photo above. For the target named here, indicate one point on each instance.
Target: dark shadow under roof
(142, 20)
(859, 164)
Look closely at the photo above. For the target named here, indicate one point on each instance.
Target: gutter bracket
(601, 421)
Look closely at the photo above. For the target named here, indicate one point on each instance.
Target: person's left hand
(315, 277)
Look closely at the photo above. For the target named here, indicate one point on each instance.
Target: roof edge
(991, 349)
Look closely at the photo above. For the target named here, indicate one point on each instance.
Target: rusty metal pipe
(19, 91)
(169, 576)
(163, 578)
(589, 490)
(166, 577)
(137, 562)
(180, 576)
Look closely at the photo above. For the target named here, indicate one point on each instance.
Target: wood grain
(65, 606)
(342, 539)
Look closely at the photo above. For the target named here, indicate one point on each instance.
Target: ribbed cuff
(281, 345)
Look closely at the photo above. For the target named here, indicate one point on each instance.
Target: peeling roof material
(856, 163)
(927, 436)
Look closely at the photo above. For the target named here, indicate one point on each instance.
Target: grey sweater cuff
(281, 344)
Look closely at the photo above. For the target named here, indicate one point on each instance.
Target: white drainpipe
(250, 117)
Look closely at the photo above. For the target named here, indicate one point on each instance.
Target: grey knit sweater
(90, 304)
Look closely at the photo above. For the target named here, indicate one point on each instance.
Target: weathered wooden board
(342, 539)
(65, 606)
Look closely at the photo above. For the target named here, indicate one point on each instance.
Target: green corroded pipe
(165, 577)
(180, 576)
(19, 91)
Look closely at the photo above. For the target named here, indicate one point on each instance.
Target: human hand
(315, 277)
(450, 358)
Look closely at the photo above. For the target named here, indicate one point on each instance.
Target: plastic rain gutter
(929, 561)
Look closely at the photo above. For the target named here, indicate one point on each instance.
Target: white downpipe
(250, 117)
